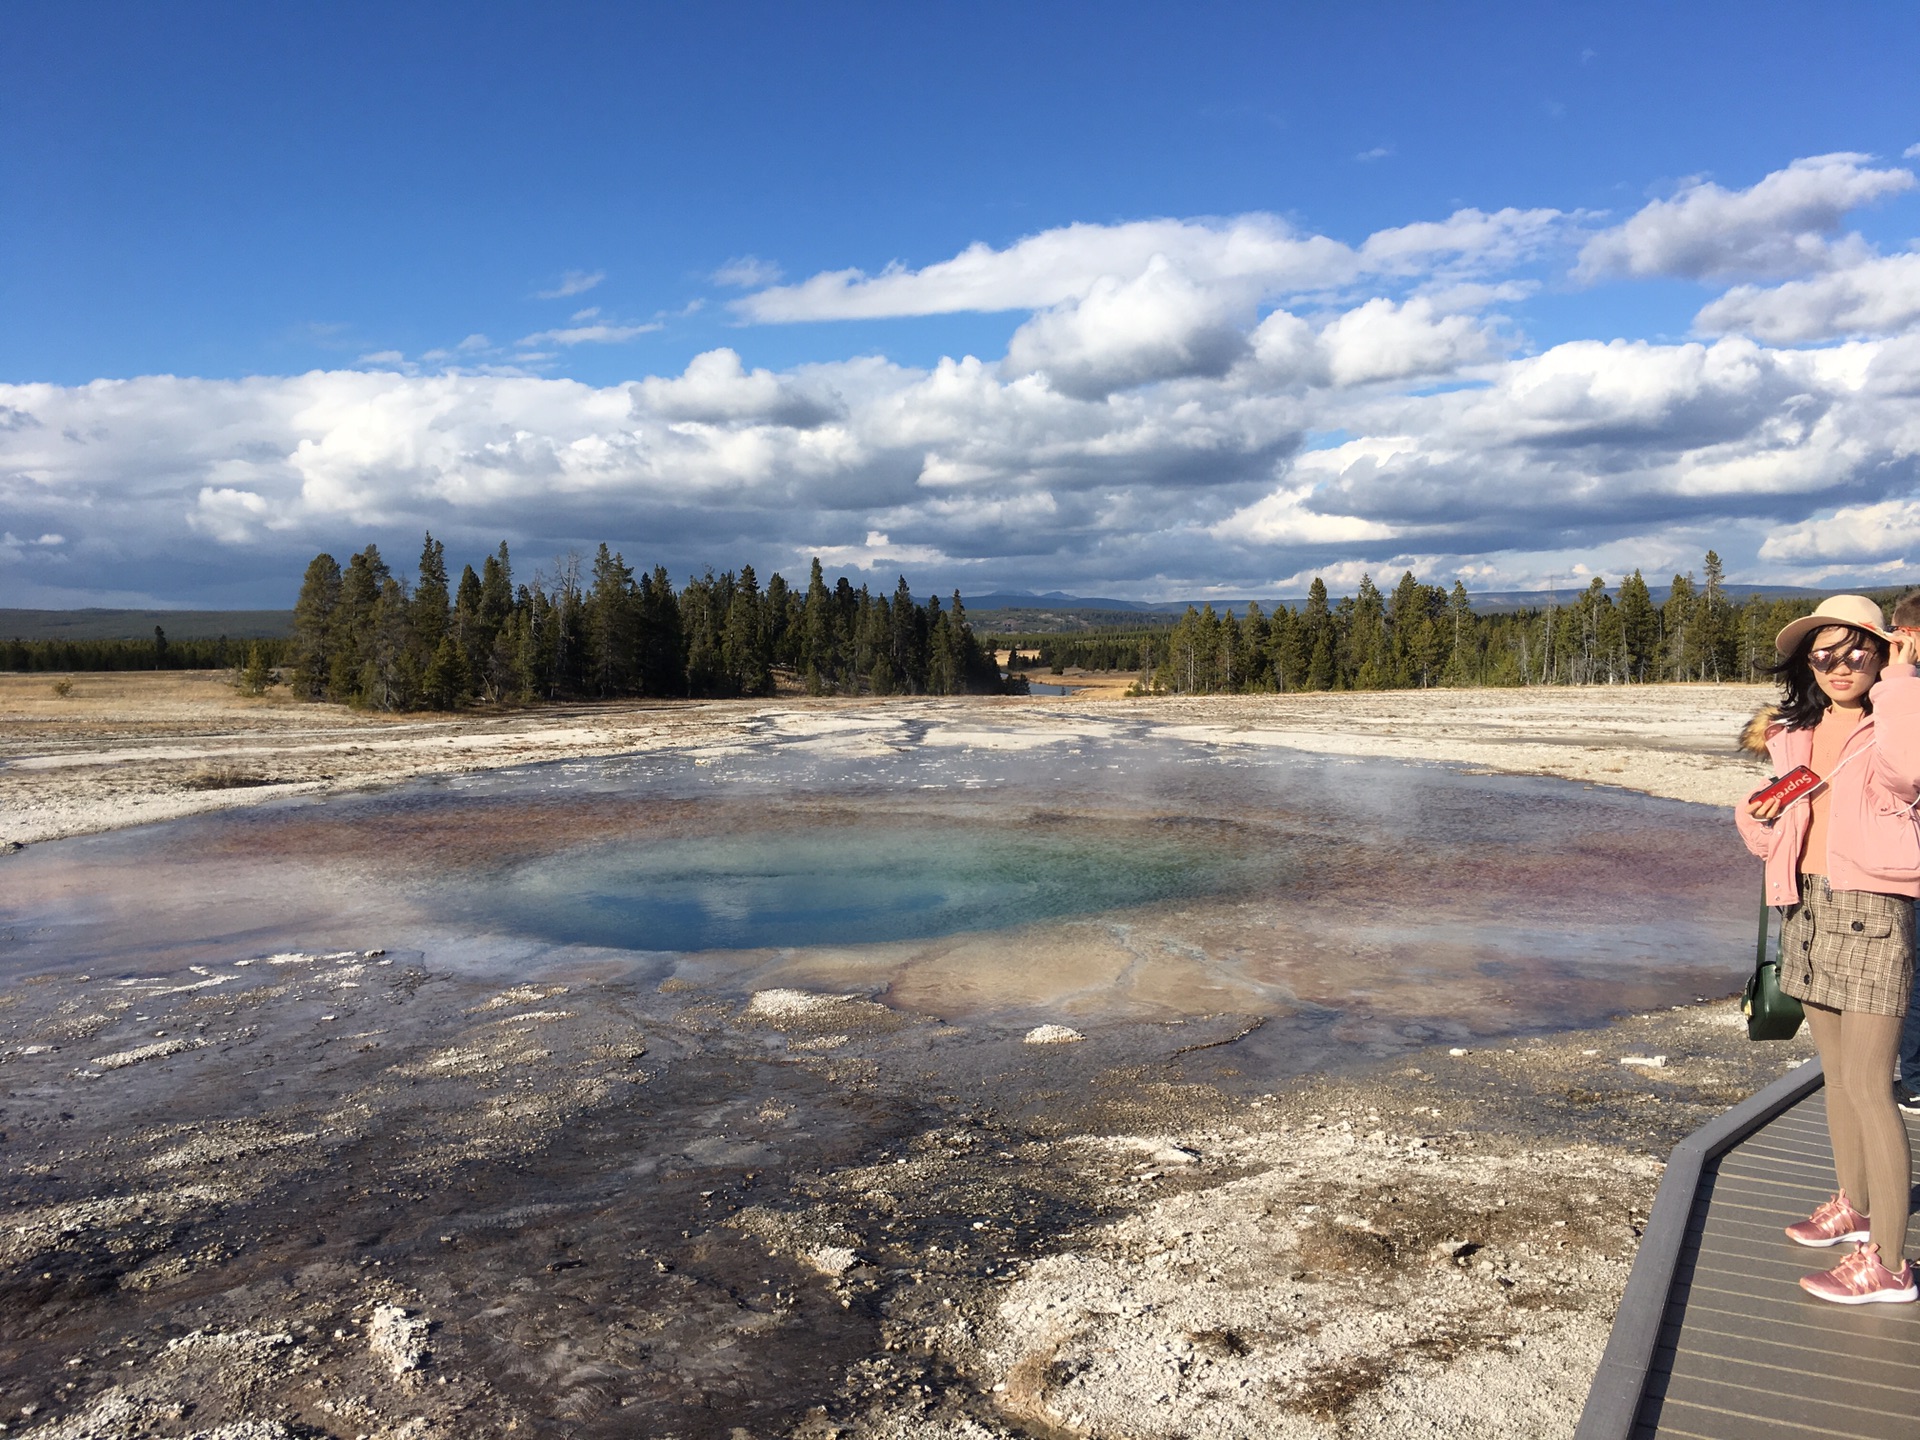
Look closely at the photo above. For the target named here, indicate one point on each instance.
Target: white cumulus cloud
(717, 389)
(1875, 296)
(1850, 535)
(1126, 332)
(1384, 341)
(1245, 257)
(1782, 225)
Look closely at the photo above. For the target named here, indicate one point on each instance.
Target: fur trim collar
(1753, 739)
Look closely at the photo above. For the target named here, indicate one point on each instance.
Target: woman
(1845, 861)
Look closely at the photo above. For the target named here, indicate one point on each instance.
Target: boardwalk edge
(1613, 1400)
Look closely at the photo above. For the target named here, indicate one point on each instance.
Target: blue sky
(565, 273)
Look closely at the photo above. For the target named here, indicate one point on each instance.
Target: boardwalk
(1730, 1348)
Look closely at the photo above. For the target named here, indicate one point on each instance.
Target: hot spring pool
(1111, 871)
(852, 884)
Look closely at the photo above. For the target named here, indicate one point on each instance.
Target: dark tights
(1870, 1150)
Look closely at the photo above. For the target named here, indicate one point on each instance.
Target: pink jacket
(1873, 834)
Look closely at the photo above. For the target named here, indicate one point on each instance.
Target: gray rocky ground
(341, 1195)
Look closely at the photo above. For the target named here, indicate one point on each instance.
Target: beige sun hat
(1855, 610)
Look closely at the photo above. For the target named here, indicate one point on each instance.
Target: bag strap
(1766, 916)
(1827, 780)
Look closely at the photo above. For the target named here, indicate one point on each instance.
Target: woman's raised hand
(1906, 648)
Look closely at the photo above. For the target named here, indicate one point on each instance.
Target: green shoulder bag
(1770, 1014)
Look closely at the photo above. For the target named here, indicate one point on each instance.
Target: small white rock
(1651, 1062)
(397, 1338)
(833, 1259)
(1052, 1035)
(792, 1002)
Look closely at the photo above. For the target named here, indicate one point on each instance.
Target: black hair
(1802, 701)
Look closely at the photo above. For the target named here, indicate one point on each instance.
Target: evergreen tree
(257, 676)
(1460, 668)
(817, 640)
(1680, 636)
(431, 602)
(1285, 644)
(746, 653)
(1322, 664)
(908, 641)
(351, 673)
(979, 674)
(533, 616)
(778, 611)
(1255, 660)
(1406, 610)
(1719, 636)
(1639, 628)
(613, 626)
(943, 664)
(390, 679)
(447, 684)
(1427, 646)
(313, 627)
(467, 626)
(662, 637)
(492, 649)
(1368, 661)
(1609, 641)
(570, 630)
(700, 601)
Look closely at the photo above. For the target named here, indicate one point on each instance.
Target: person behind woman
(1845, 863)
(1906, 1086)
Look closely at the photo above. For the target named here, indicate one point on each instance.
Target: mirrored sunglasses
(1854, 659)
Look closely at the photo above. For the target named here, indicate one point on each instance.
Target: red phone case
(1790, 786)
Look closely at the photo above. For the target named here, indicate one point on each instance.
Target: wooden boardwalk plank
(1789, 1344)
(1742, 1353)
(1685, 1420)
(1760, 1377)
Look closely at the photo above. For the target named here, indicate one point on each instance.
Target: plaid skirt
(1848, 949)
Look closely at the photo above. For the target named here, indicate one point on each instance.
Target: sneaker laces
(1832, 1209)
(1855, 1271)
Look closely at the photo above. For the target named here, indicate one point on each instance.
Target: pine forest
(365, 636)
(1423, 635)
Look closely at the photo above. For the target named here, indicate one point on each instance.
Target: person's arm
(1896, 720)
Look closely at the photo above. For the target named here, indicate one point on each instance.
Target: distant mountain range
(1060, 600)
(1486, 602)
(138, 624)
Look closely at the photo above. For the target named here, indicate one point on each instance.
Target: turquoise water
(850, 885)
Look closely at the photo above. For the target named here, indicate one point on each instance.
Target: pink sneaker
(1861, 1279)
(1832, 1223)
